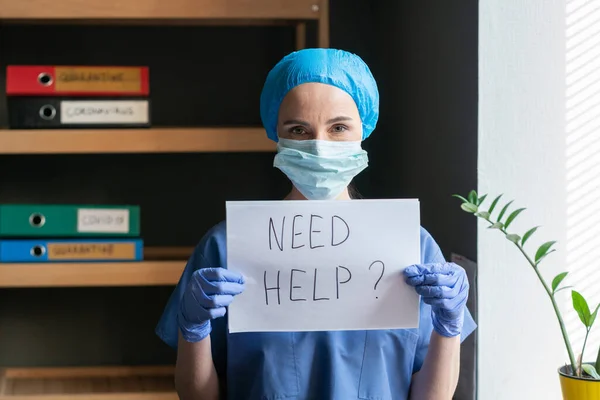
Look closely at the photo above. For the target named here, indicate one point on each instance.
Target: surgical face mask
(320, 169)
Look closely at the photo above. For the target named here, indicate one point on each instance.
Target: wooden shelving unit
(88, 383)
(157, 12)
(161, 266)
(155, 140)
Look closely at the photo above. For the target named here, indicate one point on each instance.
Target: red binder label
(36, 80)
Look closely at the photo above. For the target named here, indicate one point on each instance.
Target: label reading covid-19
(103, 220)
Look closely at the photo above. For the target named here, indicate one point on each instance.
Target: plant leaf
(458, 196)
(483, 214)
(582, 308)
(473, 197)
(493, 206)
(545, 255)
(593, 316)
(468, 207)
(512, 217)
(513, 238)
(543, 250)
(503, 211)
(497, 225)
(557, 280)
(590, 370)
(528, 234)
(481, 199)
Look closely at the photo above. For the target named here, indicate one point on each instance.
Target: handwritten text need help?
(299, 234)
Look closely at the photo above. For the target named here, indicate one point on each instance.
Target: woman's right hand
(207, 294)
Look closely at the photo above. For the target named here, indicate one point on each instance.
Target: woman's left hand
(445, 287)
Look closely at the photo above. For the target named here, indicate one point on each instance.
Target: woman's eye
(298, 130)
(339, 128)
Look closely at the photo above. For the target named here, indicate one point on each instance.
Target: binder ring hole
(45, 79)
(47, 112)
(38, 251)
(37, 220)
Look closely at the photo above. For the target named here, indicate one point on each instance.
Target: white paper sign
(323, 265)
(103, 220)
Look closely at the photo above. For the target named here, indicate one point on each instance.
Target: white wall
(539, 118)
(583, 160)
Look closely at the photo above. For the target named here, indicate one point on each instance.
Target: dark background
(424, 57)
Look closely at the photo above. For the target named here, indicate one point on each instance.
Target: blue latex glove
(207, 294)
(445, 287)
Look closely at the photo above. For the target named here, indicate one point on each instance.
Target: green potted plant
(579, 380)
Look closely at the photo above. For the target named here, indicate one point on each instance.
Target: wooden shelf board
(76, 274)
(219, 22)
(167, 253)
(155, 140)
(159, 9)
(96, 383)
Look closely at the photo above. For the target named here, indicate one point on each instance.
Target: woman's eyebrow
(296, 122)
(341, 118)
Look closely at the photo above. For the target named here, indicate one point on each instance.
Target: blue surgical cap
(339, 68)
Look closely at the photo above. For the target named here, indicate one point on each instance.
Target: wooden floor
(94, 383)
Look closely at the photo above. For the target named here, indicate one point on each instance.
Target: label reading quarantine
(92, 220)
(98, 79)
(91, 251)
(104, 112)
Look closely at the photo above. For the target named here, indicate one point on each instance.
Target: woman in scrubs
(318, 105)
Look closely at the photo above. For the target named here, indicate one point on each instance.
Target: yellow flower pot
(574, 388)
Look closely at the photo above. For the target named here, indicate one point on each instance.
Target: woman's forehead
(310, 97)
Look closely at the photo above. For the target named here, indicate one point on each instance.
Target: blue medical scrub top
(340, 365)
